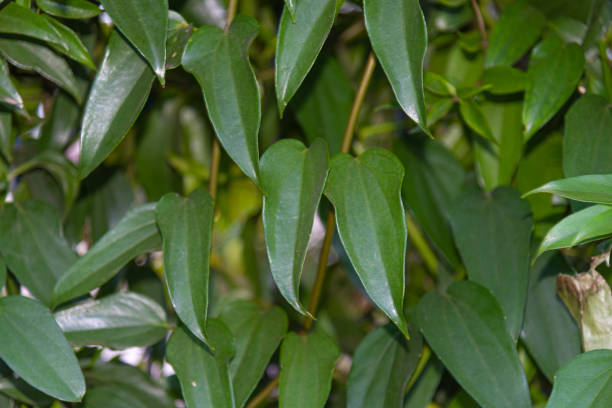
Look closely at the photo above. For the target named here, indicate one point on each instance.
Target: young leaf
(219, 61)
(475, 119)
(257, 334)
(518, 28)
(8, 92)
(145, 24)
(71, 9)
(503, 79)
(554, 70)
(33, 247)
(300, 38)
(365, 192)
(381, 368)
(466, 329)
(203, 374)
(293, 178)
(186, 227)
(586, 381)
(117, 96)
(117, 321)
(592, 188)
(492, 232)
(399, 38)
(135, 234)
(307, 363)
(34, 347)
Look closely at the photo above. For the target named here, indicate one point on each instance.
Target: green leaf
(290, 4)
(591, 188)
(423, 390)
(503, 79)
(399, 38)
(465, 328)
(301, 35)
(2, 274)
(117, 96)
(587, 143)
(475, 119)
(492, 232)
(257, 334)
(71, 9)
(365, 192)
(34, 347)
(186, 226)
(134, 234)
(117, 321)
(438, 85)
(293, 178)
(307, 363)
(586, 381)
(15, 19)
(381, 368)
(219, 61)
(179, 32)
(549, 332)
(30, 56)
(8, 92)
(518, 28)
(203, 374)
(7, 135)
(33, 247)
(145, 24)
(62, 123)
(554, 71)
(18, 389)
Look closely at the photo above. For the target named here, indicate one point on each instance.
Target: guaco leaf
(293, 178)
(8, 92)
(219, 61)
(179, 32)
(300, 38)
(365, 193)
(145, 24)
(186, 227)
(117, 96)
(590, 188)
(399, 38)
(76, 9)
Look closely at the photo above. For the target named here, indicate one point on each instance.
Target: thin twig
(261, 397)
(481, 24)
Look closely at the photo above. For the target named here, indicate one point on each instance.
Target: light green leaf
(518, 28)
(33, 247)
(554, 71)
(475, 119)
(203, 374)
(365, 193)
(117, 96)
(300, 38)
(15, 19)
(145, 24)
(8, 92)
(134, 234)
(186, 227)
(492, 232)
(257, 334)
(290, 4)
(465, 328)
(34, 347)
(117, 321)
(586, 381)
(76, 9)
(381, 368)
(293, 178)
(219, 61)
(179, 32)
(399, 38)
(307, 363)
(438, 85)
(504, 79)
(591, 188)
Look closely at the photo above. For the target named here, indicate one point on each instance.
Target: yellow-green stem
(420, 243)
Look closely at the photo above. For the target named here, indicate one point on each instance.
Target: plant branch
(420, 243)
(481, 24)
(231, 13)
(259, 398)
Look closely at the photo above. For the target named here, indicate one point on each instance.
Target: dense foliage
(377, 203)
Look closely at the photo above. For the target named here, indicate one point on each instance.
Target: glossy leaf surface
(179, 32)
(76, 9)
(592, 188)
(8, 92)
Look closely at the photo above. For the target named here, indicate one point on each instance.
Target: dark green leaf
(554, 70)
(307, 363)
(466, 329)
(34, 347)
(365, 192)
(517, 29)
(503, 79)
(61, 125)
(586, 381)
(423, 390)
(381, 368)
(186, 227)
(117, 96)
(257, 334)
(145, 24)
(109, 203)
(69, 8)
(8, 92)
(2, 274)
(301, 35)
(33, 247)
(19, 390)
(591, 188)
(118, 321)
(135, 234)
(119, 396)
(203, 374)
(293, 178)
(179, 32)
(219, 61)
(7, 135)
(399, 38)
(475, 119)
(492, 232)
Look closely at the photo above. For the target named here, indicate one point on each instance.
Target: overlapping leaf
(72, 9)
(8, 92)
(592, 188)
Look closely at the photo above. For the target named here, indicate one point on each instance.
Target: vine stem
(481, 24)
